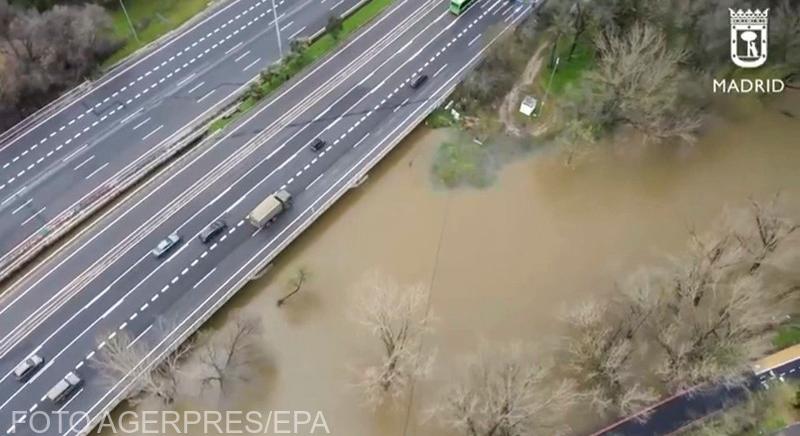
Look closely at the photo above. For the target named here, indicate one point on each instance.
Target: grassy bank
(152, 19)
(300, 58)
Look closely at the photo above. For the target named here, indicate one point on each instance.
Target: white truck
(64, 388)
(270, 208)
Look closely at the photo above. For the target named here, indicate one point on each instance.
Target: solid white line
(33, 216)
(151, 133)
(83, 163)
(241, 56)
(126, 119)
(74, 152)
(142, 123)
(337, 4)
(194, 88)
(204, 97)
(287, 26)
(204, 277)
(188, 78)
(251, 64)
(439, 70)
(313, 181)
(474, 40)
(100, 168)
(238, 44)
(294, 35)
(361, 140)
(22, 206)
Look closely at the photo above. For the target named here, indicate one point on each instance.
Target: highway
(53, 170)
(105, 281)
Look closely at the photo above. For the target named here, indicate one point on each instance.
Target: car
(212, 230)
(165, 245)
(317, 144)
(64, 388)
(418, 81)
(28, 367)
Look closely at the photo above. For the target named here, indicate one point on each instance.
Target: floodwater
(502, 263)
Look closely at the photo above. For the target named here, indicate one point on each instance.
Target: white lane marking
(361, 140)
(475, 39)
(204, 278)
(152, 132)
(33, 216)
(195, 87)
(140, 335)
(205, 96)
(251, 64)
(142, 123)
(78, 150)
(337, 4)
(83, 163)
(100, 168)
(126, 119)
(313, 181)
(299, 31)
(188, 78)
(289, 24)
(22, 206)
(439, 70)
(241, 56)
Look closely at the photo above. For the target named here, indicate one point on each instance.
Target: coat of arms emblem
(749, 37)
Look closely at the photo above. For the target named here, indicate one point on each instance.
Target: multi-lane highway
(54, 170)
(105, 281)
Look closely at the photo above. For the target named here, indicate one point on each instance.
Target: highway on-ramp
(53, 170)
(106, 282)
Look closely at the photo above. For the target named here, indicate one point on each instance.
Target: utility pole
(277, 28)
(549, 83)
(130, 23)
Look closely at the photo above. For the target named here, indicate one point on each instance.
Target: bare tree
(601, 357)
(505, 393)
(296, 283)
(229, 357)
(122, 358)
(638, 81)
(398, 317)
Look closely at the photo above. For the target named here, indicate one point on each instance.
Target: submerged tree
(399, 318)
(506, 392)
(230, 357)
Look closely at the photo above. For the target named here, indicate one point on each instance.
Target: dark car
(418, 81)
(317, 144)
(211, 231)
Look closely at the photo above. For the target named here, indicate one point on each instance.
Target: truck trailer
(270, 208)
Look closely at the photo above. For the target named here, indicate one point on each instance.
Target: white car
(165, 245)
(28, 367)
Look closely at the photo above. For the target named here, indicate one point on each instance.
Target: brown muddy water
(502, 263)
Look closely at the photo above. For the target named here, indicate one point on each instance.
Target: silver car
(165, 245)
(25, 369)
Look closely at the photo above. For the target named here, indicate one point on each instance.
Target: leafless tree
(506, 393)
(601, 356)
(399, 318)
(638, 81)
(230, 356)
(122, 358)
(296, 283)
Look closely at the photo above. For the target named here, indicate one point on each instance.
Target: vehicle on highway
(459, 6)
(317, 144)
(418, 81)
(28, 367)
(165, 245)
(64, 388)
(211, 231)
(270, 208)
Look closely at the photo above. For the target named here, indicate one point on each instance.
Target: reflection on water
(503, 263)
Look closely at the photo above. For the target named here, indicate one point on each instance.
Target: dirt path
(511, 101)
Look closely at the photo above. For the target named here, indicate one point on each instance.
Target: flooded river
(502, 263)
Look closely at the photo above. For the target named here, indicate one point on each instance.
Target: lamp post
(277, 28)
(130, 23)
(549, 83)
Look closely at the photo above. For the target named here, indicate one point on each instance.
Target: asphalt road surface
(106, 282)
(82, 150)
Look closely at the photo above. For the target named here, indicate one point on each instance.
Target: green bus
(459, 6)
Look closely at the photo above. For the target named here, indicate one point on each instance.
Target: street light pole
(549, 83)
(130, 23)
(277, 28)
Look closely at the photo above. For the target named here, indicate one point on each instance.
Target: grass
(786, 336)
(440, 118)
(569, 71)
(296, 62)
(462, 163)
(152, 19)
